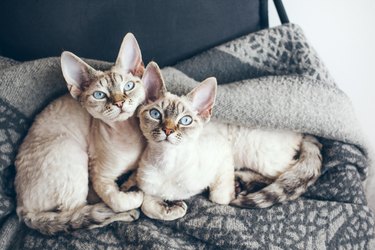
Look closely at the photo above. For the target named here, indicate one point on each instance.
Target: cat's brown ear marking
(129, 59)
(77, 73)
(203, 97)
(153, 82)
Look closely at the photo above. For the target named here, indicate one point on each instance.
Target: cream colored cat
(98, 130)
(183, 156)
(178, 161)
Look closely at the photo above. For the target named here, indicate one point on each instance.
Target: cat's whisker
(112, 113)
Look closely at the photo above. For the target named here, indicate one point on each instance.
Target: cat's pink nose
(119, 104)
(168, 131)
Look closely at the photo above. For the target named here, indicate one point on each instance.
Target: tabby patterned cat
(97, 130)
(183, 156)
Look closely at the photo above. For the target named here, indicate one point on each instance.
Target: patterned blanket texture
(272, 78)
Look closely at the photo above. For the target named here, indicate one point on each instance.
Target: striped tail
(87, 216)
(292, 183)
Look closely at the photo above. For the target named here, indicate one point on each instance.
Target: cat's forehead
(110, 78)
(174, 105)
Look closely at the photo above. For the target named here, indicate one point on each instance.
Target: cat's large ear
(203, 97)
(77, 73)
(153, 82)
(129, 59)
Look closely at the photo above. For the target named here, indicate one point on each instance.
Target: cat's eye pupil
(186, 120)
(129, 86)
(99, 95)
(154, 113)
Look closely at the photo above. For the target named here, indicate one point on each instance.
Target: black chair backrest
(167, 30)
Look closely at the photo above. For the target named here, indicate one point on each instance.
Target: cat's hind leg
(156, 208)
(290, 184)
(248, 181)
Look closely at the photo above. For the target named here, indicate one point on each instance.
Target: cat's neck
(131, 122)
(166, 156)
(169, 150)
(129, 127)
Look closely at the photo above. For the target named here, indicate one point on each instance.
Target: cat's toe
(239, 186)
(134, 214)
(174, 209)
(181, 204)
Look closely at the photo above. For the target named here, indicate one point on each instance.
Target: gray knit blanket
(273, 79)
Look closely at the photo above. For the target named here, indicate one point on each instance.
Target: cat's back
(64, 115)
(266, 151)
(56, 145)
(213, 146)
(213, 136)
(62, 120)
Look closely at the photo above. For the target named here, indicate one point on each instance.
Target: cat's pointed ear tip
(66, 58)
(152, 64)
(212, 81)
(129, 36)
(153, 67)
(66, 55)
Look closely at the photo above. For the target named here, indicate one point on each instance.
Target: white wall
(343, 34)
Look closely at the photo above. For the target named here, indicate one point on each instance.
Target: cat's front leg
(109, 192)
(156, 208)
(222, 189)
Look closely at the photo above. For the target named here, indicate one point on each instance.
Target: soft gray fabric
(272, 78)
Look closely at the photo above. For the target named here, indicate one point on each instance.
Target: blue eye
(186, 120)
(154, 113)
(129, 86)
(99, 95)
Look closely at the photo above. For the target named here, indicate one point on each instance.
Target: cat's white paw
(162, 210)
(174, 210)
(222, 197)
(125, 201)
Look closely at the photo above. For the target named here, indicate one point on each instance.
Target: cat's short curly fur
(178, 161)
(185, 155)
(97, 130)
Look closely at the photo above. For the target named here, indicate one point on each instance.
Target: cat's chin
(167, 141)
(163, 139)
(115, 115)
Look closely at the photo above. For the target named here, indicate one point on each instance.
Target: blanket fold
(272, 79)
